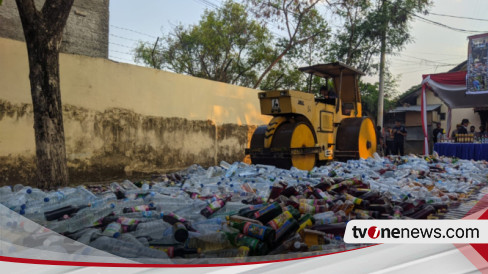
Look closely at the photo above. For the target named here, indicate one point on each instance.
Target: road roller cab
(307, 129)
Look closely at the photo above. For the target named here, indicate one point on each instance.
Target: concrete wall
(123, 120)
(86, 31)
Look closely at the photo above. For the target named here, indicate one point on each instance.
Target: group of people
(391, 142)
(460, 129)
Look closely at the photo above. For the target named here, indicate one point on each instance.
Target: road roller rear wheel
(295, 135)
(356, 138)
(257, 142)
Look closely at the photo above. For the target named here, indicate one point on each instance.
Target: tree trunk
(43, 34)
(268, 69)
(48, 117)
(381, 95)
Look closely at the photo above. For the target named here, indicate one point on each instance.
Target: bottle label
(323, 195)
(265, 210)
(214, 206)
(127, 221)
(306, 208)
(282, 230)
(254, 230)
(305, 224)
(254, 207)
(112, 228)
(170, 251)
(180, 219)
(140, 208)
(242, 240)
(280, 220)
(356, 201)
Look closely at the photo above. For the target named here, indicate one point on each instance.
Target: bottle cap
(22, 212)
(116, 234)
(46, 199)
(22, 206)
(29, 191)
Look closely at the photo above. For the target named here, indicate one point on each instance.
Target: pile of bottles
(240, 210)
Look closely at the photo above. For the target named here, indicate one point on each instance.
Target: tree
(370, 93)
(226, 46)
(300, 20)
(375, 28)
(43, 30)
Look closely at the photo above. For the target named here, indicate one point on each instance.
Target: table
(463, 151)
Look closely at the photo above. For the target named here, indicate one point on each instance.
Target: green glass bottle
(256, 247)
(260, 232)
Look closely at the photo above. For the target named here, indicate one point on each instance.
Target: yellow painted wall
(124, 118)
(98, 84)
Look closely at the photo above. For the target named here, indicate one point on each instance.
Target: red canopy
(450, 78)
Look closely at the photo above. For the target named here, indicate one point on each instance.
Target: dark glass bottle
(370, 195)
(263, 233)
(267, 213)
(336, 229)
(255, 246)
(172, 219)
(212, 207)
(60, 212)
(289, 227)
(380, 208)
(289, 213)
(290, 191)
(180, 232)
(423, 213)
(248, 212)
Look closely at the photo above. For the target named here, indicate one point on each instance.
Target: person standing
(399, 133)
(379, 141)
(464, 127)
(436, 132)
(390, 141)
(482, 131)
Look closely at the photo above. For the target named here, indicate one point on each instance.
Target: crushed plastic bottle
(245, 210)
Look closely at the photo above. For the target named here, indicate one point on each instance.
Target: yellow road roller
(307, 129)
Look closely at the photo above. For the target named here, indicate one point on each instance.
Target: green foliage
(370, 94)
(306, 29)
(364, 23)
(226, 45)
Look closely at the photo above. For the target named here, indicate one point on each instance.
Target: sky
(434, 49)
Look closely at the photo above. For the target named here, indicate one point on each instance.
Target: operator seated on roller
(328, 95)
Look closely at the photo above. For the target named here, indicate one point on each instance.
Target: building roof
(411, 95)
(331, 70)
(414, 108)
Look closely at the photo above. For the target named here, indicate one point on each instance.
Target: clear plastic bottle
(154, 229)
(126, 249)
(88, 218)
(209, 242)
(128, 185)
(89, 235)
(129, 238)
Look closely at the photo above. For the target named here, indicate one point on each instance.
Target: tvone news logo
(373, 232)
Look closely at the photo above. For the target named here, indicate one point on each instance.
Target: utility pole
(381, 95)
(152, 54)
